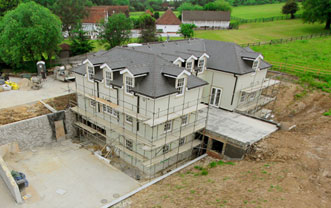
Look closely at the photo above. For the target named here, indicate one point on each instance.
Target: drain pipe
(116, 201)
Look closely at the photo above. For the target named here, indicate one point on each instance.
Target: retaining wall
(32, 132)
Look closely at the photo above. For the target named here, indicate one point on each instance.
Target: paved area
(51, 88)
(62, 175)
(238, 128)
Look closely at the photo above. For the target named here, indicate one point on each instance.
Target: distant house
(149, 12)
(207, 19)
(98, 13)
(168, 22)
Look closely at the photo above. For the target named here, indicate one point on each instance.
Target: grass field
(258, 11)
(315, 52)
(255, 32)
(245, 12)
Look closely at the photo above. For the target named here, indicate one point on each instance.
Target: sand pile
(25, 84)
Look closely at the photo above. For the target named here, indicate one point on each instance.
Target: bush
(204, 172)
(234, 24)
(212, 164)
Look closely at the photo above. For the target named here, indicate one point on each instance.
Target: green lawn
(315, 53)
(258, 11)
(255, 32)
(245, 12)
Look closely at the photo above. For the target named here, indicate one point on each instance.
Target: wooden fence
(286, 40)
(267, 19)
(301, 70)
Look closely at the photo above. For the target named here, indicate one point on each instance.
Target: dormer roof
(154, 84)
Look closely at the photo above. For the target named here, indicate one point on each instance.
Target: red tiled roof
(149, 12)
(168, 18)
(98, 13)
(65, 47)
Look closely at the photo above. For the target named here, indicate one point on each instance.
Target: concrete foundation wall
(5, 173)
(32, 132)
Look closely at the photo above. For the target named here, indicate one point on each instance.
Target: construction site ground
(26, 111)
(291, 168)
(63, 175)
(50, 88)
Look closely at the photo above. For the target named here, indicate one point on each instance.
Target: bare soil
(288, 169)
(61, 102)
(22, 112)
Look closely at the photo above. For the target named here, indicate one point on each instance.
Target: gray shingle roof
(223, 56)
(206, 16)
(154, 84)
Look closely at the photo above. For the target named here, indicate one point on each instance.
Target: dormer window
(129, 84)
(180, 86)
(256, 64)
(108, 77)
(90, 73)
(201, 65)
(189, 65)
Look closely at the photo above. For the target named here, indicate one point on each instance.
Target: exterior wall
(249, 80)
(168, 28)
(221, 24)
(92, 29)
(226, 82)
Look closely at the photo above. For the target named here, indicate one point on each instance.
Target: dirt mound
(25, 84)
(61, 102)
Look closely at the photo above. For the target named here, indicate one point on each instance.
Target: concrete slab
(62, 175)
(51, 88)
(239, 129)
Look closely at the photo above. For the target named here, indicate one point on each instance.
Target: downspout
(234, 89)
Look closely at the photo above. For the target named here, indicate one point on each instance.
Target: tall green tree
(291, 7)
(80, 42)
(219, 5)
(6, 5)
(188, 6)
(70, 12)
(317, 11)
(187, 30)
(28, 33)
(115, 31)
(148, 29)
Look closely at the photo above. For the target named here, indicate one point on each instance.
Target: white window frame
(187, 63)
(215, 96)
(93, 105)
(256, 64)
(108, 79)
(185, 118)
(202, 67)
(181, 141)
(128, 119)
(129, 144)
(109, 110)
(166, 128)
(128, 86)
(166, 148)
(180, 89)
(89, 74)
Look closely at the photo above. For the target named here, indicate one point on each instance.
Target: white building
(98, 13)
(168, 23)
(147, 102)
(207, 19)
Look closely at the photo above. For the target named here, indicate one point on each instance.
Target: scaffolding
(259, 100)
(142, 145)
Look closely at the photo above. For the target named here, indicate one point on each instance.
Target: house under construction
(149, 104)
